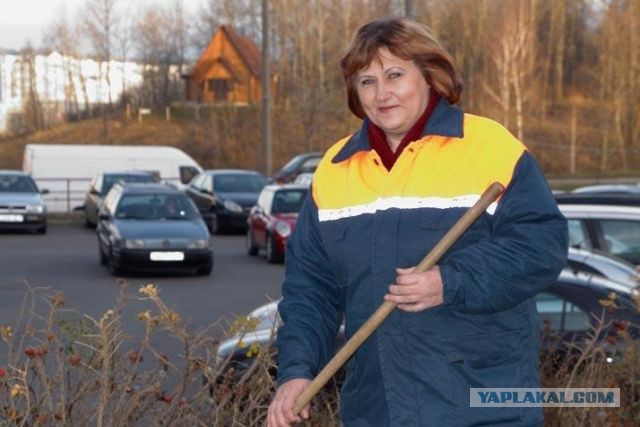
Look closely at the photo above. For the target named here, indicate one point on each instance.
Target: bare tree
(100, 24)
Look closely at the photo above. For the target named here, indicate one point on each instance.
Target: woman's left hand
(416, 291)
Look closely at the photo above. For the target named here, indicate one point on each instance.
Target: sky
(23, 21)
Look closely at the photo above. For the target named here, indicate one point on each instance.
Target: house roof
(246, 48)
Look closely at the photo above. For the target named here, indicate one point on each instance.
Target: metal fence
(65, 194)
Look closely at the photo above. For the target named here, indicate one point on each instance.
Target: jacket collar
(446, 120)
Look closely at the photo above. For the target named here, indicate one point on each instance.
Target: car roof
(231, 171)
(611, 189)
(277, 187)
(621, 199)
(600, 211)
(130, 172)
(13, 172)
(147, 188)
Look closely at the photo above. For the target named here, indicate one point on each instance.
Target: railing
(65, 194)
(68, 194)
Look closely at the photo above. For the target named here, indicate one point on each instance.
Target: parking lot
(66, 259)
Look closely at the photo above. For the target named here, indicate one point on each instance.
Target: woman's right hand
(281, 408)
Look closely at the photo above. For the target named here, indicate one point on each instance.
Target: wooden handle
(350, 347)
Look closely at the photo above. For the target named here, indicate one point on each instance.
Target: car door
(92, 199)
(199, 193)
(105, 227)
(261, 217)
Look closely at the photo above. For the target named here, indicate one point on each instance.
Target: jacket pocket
(492, 351)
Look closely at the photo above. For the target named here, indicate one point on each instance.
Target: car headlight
(232, 206)
(134, 243)
(198, 244)
(283, 229)
(35, 208)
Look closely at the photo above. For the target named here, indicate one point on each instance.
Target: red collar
(378, 140)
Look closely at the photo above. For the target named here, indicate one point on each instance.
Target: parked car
(304, 179)
(608, 189)
(100, 186)
(272, 220)
(568, 309)
(604, 265)
(614, 230)
(302, 163)
(21, 203)
(152, 227)
(224, 197)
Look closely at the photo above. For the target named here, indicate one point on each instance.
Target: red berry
(30, 352)
(74, 360)
(3, 372)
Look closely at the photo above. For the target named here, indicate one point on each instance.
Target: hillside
(151, 132)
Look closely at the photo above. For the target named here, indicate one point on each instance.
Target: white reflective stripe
(397, 202)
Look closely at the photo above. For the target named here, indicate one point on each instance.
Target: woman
(381, 199)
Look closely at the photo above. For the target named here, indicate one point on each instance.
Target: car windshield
(292, 164)
(288, 201)
(109, 180)
(238, 183)
(155, 206)
(17, 184)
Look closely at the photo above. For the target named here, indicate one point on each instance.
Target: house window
(220, 88)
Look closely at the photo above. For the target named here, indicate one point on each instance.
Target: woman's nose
(382, 92)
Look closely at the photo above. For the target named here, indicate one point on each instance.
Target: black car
(152, 227)
(612, 197)
(224, 197)
(302, 163)
(568, 310)
(100, 186)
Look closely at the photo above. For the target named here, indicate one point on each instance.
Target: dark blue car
(152, 227)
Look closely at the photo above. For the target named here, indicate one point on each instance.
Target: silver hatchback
(21, 203)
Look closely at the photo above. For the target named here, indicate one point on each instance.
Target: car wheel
(87, 223)
(114, 267)
(252, 249)
(206, 270)
(215, 225)
(103, 258)
(273, 256)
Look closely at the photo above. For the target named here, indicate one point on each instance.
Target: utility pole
(409, 11)
(266, 89)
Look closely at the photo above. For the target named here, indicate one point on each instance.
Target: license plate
(11, 218)
(167, 256)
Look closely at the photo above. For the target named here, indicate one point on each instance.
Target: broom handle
(350, 347)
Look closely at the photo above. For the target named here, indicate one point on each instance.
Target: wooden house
(228, 71)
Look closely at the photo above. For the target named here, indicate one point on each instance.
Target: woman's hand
(281, 409)
(416, 291)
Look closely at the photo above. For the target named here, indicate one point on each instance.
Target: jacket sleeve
(525, 254)
(310, 308)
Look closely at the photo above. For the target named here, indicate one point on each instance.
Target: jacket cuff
(452, 292)
(294, 371)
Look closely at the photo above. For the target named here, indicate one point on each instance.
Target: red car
(272, 220)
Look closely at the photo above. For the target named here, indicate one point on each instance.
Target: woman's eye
(394, 75)
(365, 82)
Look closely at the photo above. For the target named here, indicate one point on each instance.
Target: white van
(67, 169)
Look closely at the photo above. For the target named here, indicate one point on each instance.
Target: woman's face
(393, 94)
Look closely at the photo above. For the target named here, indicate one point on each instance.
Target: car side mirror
(44, 191)
(104, 216)
(94, 191)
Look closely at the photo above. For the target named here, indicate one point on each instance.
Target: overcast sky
(23, 21)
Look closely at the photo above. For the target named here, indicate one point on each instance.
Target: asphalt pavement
(66, 260)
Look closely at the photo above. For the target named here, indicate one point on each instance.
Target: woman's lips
(386, 109)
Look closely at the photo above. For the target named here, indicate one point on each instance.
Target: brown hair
(405, 39)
